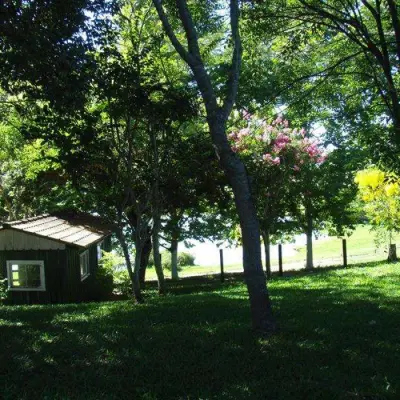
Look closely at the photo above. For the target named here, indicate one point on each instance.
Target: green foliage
(186, 259)
(113, 265)
(379, 192)
(111, 261)
(3, 289)
(167, 263)
(103, 285)
(122, 283)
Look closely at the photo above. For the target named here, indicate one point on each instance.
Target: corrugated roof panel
(75, 229)
(76, 237)
(54, 226)
(88, 240)
(35, 223)
(63, 233)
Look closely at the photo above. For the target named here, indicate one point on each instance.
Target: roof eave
(7, 226)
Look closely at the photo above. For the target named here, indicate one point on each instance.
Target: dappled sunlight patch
(7, 323)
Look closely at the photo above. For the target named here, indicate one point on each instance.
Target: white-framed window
(26, 275)
(84, 262)
(99, 250)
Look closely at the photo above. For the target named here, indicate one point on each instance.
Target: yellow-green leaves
(380, 193)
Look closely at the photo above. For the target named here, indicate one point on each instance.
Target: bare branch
(190, 30)
(234, 73)
(170, 33)
(396, 26)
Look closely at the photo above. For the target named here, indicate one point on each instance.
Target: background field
(361, 247)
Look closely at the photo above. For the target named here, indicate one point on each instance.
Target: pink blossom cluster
(271, 160)
(313, 151)
(275, 144)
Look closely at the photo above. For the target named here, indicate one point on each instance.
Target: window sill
(27, 289)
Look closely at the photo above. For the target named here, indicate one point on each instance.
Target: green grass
(339, 338)
(327, 251)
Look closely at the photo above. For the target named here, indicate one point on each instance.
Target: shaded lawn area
(339, 338)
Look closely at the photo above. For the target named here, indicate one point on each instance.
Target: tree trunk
(174, 259)
(136, 282)
(217, 116)
(132, 275)
(392, 255)
(267, 251)
(260, 304)
(144, 261)
(156, 255)
(309, 233)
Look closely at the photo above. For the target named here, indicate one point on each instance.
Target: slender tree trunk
(309, 235)
(174, 259)
(156, 255)
(132, 275)
(144, 261)
(392, 255)
(260, 304)
(156, 206)
(136, 282)
(267, 251)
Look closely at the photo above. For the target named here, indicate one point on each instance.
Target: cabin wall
(11, 239)
(107, 246)
(54, 271)
(81, 290)
(62, 274)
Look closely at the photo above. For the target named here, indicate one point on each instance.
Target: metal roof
(76, 229)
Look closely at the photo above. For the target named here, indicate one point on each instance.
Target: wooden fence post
(280, 259)
(221, 261)
(344, 247)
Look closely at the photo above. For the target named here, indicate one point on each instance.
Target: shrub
(166, 262)
(122, 283)
(3, 289)
(113, 265)
(185, 259)
(104, 284)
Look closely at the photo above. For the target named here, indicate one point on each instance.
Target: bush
(3, 289)
(185, 259)
(113, 265)
(122, 283)
(166, 262)
(104, 284)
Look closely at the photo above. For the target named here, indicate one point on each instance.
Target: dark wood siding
(107, 244)
(54, 270)
(82, 290)
(62, 274)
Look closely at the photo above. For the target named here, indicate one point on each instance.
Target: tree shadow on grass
(332, 344)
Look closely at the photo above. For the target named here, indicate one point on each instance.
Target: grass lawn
(327, 251)
(339, 338)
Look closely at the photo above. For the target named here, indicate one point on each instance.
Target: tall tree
(217, 115)
(338, 61)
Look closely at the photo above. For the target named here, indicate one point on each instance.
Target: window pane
(26, 276)
(32, 275)
(84, 263)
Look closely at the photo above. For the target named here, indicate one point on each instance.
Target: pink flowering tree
(280, 159)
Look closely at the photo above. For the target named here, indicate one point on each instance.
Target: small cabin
(52, 258)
